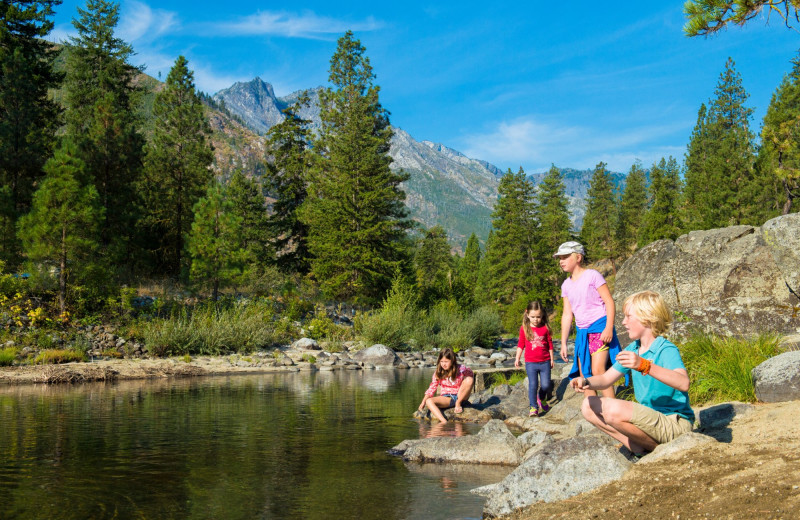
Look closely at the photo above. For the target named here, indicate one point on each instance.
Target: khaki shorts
(662, 428)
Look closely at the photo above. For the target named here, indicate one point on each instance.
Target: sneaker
(544, 406)
(534, 412)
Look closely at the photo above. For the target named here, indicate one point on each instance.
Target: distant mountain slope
(576, 187)
(446, 188)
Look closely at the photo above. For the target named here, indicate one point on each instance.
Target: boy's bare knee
(612, 412)
(587, 408)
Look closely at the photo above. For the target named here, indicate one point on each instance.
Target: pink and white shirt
(449, 386)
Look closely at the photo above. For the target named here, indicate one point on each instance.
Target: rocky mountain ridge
(446, 187)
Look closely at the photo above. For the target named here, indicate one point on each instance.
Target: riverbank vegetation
(116, 216)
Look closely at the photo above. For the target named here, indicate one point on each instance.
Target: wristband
(644, 366)
(586, 383)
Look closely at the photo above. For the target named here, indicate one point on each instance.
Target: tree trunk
(62, 275)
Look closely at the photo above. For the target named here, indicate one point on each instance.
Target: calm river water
(304, 445)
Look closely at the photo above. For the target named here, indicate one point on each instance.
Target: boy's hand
(629, 359)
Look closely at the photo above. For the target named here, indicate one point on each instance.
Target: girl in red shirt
(535, 340)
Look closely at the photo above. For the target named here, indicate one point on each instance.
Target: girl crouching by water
(455, 384)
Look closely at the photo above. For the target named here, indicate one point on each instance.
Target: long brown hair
(526, 322)
(452, 371)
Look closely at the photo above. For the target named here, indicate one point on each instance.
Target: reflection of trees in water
(299, 445)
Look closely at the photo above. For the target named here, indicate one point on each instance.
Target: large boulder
(494, 444)
(377, 355)
(778, 378)
(737, 280)
(557, 471)
(680, 444)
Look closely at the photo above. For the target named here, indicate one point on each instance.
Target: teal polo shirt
(653, 393)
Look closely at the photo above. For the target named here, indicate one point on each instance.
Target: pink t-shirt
(587, 306)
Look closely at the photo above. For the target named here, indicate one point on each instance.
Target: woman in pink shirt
(455, 382)
(587, 298)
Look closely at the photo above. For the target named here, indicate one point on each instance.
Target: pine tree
(468, 268)
(247, 198)
(662, 219)
(433, 266)
(510, 256)
(100, 95)
(631, 211)
(61, 228)
(779, 157)
(600, 221)
(354, 210)
(552, 214)
(177, 165)
(720, 186)
(28, 119)
(214, 244)
(696, 161)
(286, 179)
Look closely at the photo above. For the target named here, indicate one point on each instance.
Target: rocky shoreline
(303, 355)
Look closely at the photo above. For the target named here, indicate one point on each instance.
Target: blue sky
(526, 84)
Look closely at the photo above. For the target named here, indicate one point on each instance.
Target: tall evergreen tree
(100, 95)
(720, 186)
(600, 221)
(631, 210)
(662, 219)
(214, 244)
(354, 210)
(468, 269)
(177, 166)
(511, 254)
(552, 214)
(28, 119)
(779, 157)
(433, 266)
(61, 228)
(247, 198)
(286, 179)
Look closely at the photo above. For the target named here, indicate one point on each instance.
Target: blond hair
(651, 310)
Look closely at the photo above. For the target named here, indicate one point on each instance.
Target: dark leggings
(535, 372)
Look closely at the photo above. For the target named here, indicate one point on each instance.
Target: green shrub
(212, 330)
(56, 356)
(484, 325)
(720, 368)
(7, 356)
(390, 327)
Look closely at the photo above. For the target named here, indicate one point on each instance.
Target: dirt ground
(752, 473)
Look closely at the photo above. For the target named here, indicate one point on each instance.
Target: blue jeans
(535, 372)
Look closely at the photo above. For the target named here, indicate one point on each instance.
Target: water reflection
(437, 429)
(302, 445)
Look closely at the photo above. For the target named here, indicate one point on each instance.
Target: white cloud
(535, 145)
(291, 25)
(207, 80)
(139, 21)
(61, 33)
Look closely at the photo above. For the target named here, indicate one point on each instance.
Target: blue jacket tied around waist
(582, 348)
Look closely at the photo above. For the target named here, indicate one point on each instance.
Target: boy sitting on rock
(660, 382)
